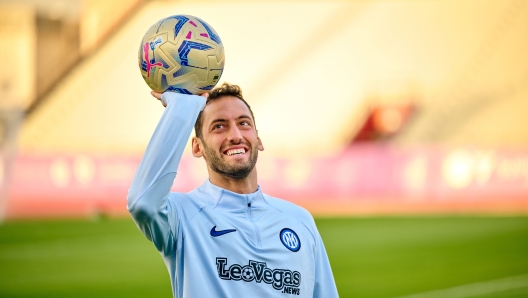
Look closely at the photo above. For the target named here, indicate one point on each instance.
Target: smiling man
(226, 238)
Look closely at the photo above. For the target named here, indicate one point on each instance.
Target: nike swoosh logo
(216, 233)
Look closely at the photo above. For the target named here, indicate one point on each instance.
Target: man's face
(229, 138)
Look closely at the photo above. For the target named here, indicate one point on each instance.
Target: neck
(242, 186)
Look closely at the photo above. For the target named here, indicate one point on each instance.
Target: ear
(260, 146)
(197, 148)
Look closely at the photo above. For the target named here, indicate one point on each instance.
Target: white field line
(475, 289)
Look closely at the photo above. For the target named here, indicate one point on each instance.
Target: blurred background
(401, 125)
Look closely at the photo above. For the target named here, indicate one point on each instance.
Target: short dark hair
(225, 90)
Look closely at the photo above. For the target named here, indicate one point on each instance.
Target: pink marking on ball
(204, 35)
(149, 65)
(189, 35)
(192, 23)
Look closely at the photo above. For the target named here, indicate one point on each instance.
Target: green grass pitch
(370, 257)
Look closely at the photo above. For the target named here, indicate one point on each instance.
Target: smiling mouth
(235, 151)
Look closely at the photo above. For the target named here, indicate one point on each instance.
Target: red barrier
(364, 179)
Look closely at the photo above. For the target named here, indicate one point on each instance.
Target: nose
(234, 136)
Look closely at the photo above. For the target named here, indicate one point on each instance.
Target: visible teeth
(235, 151)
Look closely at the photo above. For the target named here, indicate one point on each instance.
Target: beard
(238, 171)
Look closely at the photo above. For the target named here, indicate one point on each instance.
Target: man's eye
(244, 123)
(218, 126)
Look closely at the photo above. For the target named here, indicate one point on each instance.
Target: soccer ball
(247, 273)
(181, 53)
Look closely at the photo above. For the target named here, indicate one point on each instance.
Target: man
(226, 238)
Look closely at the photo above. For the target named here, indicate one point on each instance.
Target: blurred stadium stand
(436, 91)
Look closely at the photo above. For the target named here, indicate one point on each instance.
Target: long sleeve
(324, 286)
(150, 189)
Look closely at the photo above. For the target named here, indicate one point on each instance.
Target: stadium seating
(308, 75)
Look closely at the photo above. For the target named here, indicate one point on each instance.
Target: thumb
(158, 97)
(156, 94)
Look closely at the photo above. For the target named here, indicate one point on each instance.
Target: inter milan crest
(290, 239)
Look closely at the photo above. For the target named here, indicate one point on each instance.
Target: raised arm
(147, 196)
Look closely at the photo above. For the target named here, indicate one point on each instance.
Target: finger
(156, 94)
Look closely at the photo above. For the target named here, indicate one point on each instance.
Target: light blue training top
(217, 243)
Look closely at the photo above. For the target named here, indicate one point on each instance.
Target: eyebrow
(244, 116)
(217, 120)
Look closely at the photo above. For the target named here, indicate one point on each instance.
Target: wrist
(168, 97)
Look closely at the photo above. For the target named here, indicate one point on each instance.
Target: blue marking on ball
(186, 47)
(179, 90)
(213, 36)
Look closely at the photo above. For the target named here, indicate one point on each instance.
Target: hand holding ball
(182, 54)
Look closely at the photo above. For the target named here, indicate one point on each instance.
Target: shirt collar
(225, 199)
